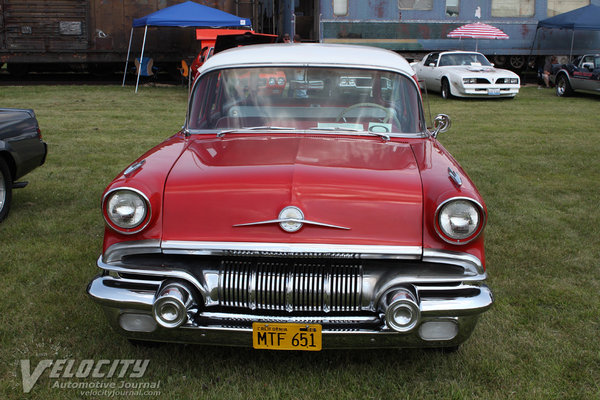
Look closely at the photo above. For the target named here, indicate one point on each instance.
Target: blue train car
(416, 27)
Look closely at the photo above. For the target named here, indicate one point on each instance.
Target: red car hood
(369, 186)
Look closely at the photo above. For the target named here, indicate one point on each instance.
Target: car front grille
(290, 286)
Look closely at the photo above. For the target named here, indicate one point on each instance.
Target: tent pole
(572, 40)
(141, 58)
(532, 45)
(127, 60)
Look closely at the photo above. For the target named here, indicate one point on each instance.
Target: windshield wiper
(256, 128)
(382, 135)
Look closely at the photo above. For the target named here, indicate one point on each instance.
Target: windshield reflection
(306, 98)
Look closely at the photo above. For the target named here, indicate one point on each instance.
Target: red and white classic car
(318, 217)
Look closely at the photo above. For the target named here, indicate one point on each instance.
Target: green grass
(535, 160)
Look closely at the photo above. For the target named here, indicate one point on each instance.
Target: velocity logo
(68, 369)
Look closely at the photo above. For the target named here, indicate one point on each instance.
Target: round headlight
(126, 209)
(459, 220)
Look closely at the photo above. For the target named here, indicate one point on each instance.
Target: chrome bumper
(128, 296)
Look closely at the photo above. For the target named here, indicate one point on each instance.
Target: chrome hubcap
(561, 87)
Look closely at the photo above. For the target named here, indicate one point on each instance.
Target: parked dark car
(583, 74)
(21, 150)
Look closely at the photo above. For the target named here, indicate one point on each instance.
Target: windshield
(305, 99)
(464, 59)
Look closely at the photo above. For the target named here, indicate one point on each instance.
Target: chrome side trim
(471, 264)
(292, 250)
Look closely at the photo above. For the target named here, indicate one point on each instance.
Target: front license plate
(493, 92)
(269, 336)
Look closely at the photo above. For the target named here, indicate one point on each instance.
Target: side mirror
(432, 64)
(441, 123)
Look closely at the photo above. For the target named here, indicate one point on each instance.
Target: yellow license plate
(270, 336)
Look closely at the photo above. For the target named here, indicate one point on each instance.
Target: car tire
(563, 87)
(446, 93)
(5, 189)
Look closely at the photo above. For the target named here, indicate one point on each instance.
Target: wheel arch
(9, 160)
(447, 79)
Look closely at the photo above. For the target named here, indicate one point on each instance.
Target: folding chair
(146, 68)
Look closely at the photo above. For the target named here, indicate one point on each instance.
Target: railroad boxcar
(81, 35)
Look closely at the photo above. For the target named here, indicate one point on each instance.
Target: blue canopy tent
(584, 18)
(183, 15)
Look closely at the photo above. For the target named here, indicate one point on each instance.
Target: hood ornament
(291, 219)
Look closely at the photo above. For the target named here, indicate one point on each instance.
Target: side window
(452, 7)
(415, 4)
(513, 8)
(556, 7)
(432, 59)
(340, 7)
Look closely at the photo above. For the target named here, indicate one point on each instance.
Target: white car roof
(306, 54)
(459, 52)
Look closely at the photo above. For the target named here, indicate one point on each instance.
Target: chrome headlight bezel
(441, 220)
(141, 215)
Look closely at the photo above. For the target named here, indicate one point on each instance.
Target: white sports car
(465, 74)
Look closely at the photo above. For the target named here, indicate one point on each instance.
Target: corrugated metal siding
(45, 24)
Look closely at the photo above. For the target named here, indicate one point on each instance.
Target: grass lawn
(535, 160)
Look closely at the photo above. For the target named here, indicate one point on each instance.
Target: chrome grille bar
(290, 286)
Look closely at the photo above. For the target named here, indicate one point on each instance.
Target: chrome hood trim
(296, 220)
(291, 250)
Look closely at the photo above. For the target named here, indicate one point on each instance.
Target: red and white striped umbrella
(477, 31)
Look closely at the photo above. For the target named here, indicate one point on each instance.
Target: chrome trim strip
(333, 319)
(300, 221)
(117, 251)
(292, 249)
(470, 263)
(163, 272)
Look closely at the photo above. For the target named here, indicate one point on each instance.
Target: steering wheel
(388, 112)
